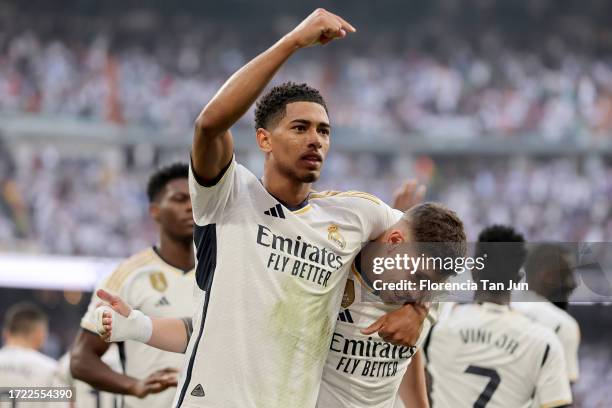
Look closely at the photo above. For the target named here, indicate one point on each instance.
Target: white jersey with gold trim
(559, 321)
(85, 396)
(147, 283)
(271, 281)
(490, 355)
(364, 371)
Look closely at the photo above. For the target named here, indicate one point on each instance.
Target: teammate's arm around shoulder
(119, 322)
(213, 147)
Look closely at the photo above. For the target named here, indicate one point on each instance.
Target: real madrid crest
(349, 294)
(333, 234)
(158, 281)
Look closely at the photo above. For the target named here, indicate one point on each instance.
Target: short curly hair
(505, 253)
(271, 106)
(163, 176)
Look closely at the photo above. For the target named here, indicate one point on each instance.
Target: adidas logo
(162, 302)
(198, 391)
(276, 211)
(345, 316)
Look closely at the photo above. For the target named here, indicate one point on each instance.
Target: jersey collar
(284, 204)
(156, 252)
(494, 307)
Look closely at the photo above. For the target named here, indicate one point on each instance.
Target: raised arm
(212, 142)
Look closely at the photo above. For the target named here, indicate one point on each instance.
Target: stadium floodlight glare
(53, 272)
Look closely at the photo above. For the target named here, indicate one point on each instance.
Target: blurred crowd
(497, 78)
(558, 199)
(96, 204)
(590, 390)
(439, 69)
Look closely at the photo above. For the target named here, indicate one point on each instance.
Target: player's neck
(501, 298)
(178, 254)
(540, 292)
(290, 192)
(21, 342)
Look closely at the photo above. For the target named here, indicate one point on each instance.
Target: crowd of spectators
(428, 78)
(96, 205)
(435, 69)
(423, 78)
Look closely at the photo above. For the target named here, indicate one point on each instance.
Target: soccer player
(272, 256)
(159, 281)
(362, 370)
(551, 282)
(486, 354)
(25, 329)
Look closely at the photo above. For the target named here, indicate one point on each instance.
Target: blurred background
(503, 108)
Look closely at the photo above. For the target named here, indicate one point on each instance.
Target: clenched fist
(320, 27)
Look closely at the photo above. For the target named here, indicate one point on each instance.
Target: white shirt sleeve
(569, 334)
(553, 389)
(377, 216)
(209, 201)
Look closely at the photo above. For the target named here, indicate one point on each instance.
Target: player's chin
(184, 234)
(309, 176)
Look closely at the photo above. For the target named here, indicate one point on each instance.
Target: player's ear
(263, 140)
(393, 239)
(154, 211)
(41, 334)
(395, 236)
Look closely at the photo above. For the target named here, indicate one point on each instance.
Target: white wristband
(137, 326)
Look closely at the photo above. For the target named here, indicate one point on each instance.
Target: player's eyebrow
(179, 193)
(306, 122)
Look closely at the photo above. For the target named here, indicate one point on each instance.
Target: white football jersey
(445, 309)
(85, 396)
(147, 283)
(559, 321)
(488, 355)
(24, 367)
(271, 281)
(364, 371)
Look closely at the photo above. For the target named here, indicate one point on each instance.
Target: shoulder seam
(118, 277)
(357, 194)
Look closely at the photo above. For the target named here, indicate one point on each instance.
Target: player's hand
(408, 195)
(402, 326)
(115, 303)
(320, 27)
(157, 382)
